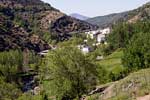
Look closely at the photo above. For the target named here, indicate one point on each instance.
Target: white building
(99, 34)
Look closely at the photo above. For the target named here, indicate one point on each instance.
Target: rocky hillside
(24, 20)
(33, 15)
(13, 37)
(37, 16)
(67, 24)
(140, 13)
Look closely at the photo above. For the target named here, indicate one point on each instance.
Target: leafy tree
(120, 35)
(10, 62)
(71, 74)
(123, 32)
(137, 53)
(12, 57)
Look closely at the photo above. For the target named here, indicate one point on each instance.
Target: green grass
(113, 61)
(113, 65)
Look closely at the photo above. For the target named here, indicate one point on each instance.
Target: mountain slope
(22, 19)
(108, 20)
(66, 24)
(36, 14)
(20, 26)
(14, 37)
(140, 13)
(78, 16)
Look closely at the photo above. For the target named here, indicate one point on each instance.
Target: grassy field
(113, 61)
(113, 64)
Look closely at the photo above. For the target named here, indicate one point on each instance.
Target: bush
(11, 58)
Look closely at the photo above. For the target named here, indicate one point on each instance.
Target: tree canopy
(137, 52)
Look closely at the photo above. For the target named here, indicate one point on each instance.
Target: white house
(99, 34)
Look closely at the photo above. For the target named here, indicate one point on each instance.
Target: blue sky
(93, 8)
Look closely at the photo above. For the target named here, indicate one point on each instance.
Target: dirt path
(147, 97)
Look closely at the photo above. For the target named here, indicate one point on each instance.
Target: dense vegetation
(123, 32)
(12, 64)
(134, 39)
(137, 52)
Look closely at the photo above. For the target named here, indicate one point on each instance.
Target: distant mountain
(78, 16)
(140, 13)
(108, 20)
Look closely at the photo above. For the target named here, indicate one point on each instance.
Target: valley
(46, 54)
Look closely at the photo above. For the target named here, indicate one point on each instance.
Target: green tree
(71, 74)
(10, 62)
(120, 35)
(137, 52)
(123, 32)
